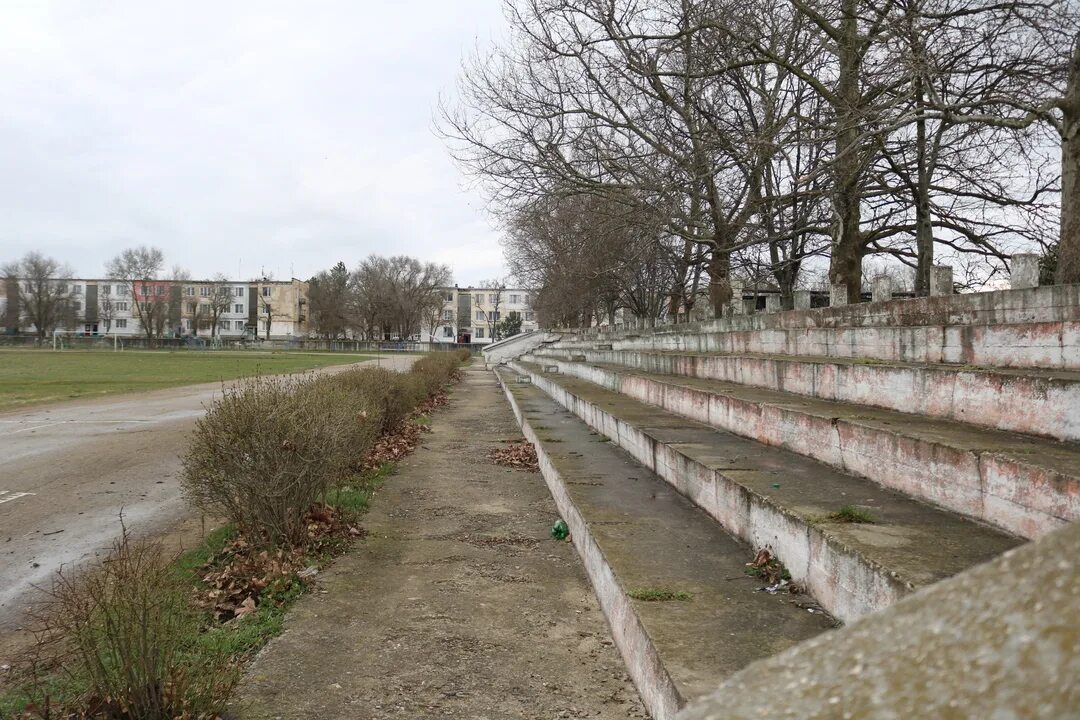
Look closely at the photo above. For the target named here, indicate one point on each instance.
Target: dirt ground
(458, 604)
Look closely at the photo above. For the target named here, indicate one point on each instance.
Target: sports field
(29, 377)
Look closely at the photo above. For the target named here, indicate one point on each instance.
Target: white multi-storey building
(471, 315)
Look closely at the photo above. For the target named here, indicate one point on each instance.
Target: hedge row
(271, 447)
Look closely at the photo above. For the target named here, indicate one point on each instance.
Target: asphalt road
(68, 470)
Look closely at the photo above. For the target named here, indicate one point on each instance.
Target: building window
(448, 297)
(266, 292)
(528, 316)
(106, 289)
(76, 290)
(121, 306)
(493, 298)
(238, 292)
(448, 315)
(191, 308)
(447, 331)
(478, 298)
(496, 316)
(238, 308)
(189, 291)
(480, 315)
(204, 291)
(515, 299)
(160, 290)
(121, 323)
(123, 289)
(479, 332)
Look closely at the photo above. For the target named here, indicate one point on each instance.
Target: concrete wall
(1041, 404)
(1052, 303)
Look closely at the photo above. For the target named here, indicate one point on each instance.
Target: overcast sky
(237, 136)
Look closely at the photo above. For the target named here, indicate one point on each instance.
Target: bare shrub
(266, 451)
(121, 635)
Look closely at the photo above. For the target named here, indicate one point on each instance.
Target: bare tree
(43, 291)
(218, 300)
(138, 269)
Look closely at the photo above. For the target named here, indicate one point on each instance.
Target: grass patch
(659, 595)
(851, 514)
(31, 377)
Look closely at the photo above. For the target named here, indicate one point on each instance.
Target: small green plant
(659, 595)
(851, 514)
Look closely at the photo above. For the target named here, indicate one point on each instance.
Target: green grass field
(30, 377)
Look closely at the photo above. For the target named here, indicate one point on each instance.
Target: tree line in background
(640, 153)
(382, 297)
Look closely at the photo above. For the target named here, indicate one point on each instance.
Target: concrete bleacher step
(773, 498)
(1048, 345)
(1024, 484)
(1040, 402)
(634, 533)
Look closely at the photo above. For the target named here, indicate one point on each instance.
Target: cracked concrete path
(458, 604)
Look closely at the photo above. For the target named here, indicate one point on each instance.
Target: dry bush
(390, 394)
(435, 370)
(266, 451)
(121, 634)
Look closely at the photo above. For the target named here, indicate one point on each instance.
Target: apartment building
(260, 309)
(469, 315)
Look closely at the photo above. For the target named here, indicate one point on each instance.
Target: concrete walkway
(457, 605)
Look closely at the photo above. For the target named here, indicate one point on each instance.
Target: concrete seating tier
(1047, 345)
(640, 539)
(1024, 484)
(773, 498)
(1041, 402)
(874, 449)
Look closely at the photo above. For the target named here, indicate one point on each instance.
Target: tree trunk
(719, 280)
(1068, 269)
(846, 265)
(924, 229)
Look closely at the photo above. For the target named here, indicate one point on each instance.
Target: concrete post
(802, 299)
(882, 290)
(837, 295)
(1025, 271)
(772, 303)
(737, 305)
(941, 282)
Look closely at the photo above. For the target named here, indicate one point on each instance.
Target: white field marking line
(71, 422)
(8, 496)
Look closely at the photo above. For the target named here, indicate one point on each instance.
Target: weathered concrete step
(773, 498)
(1024, 484)
(1041, 402)
(1047, 345)
(999, 641)
(635, 533)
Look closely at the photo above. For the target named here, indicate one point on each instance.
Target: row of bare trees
(382, 297)
(641, 150)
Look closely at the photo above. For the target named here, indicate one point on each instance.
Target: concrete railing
(1050, 303)
(516, 346)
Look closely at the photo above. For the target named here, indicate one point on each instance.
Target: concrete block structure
(867, 451)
